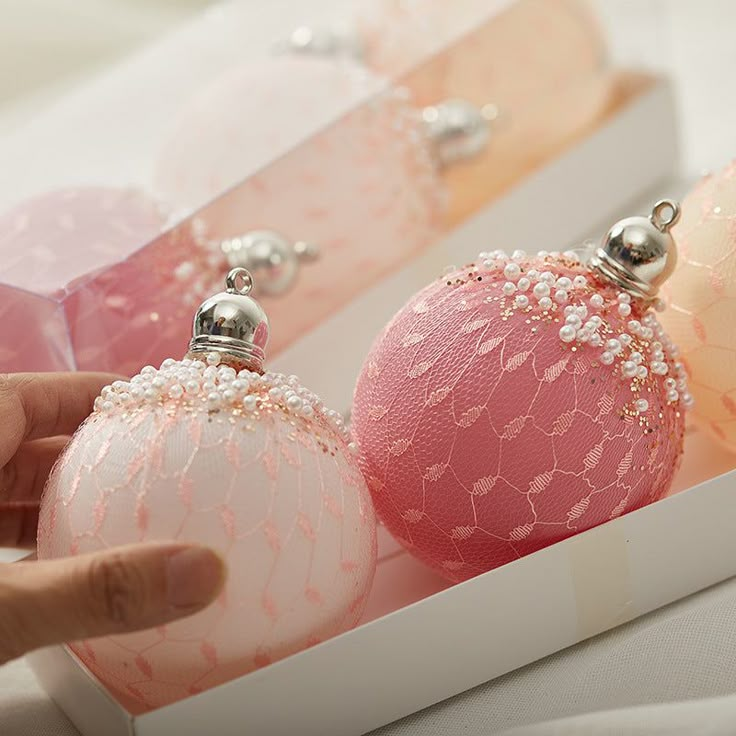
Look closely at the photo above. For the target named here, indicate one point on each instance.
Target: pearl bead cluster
(642, 350)
(216, 387)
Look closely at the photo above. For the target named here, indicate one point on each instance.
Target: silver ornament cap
(458, 130)
(274, 259)
(232, 324)
(638, 254)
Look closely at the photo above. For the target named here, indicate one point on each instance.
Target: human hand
(118, 590)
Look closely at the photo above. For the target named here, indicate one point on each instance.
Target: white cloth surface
(614, 684)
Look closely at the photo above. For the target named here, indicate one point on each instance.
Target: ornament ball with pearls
(211, 449)
(521, 399)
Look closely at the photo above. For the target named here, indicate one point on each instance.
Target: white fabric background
(678, 665)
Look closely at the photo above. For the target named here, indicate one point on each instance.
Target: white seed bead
(560, 296)
(294, 402)
(275, 394)
(148, 370)
(569, 309)
(573, 319)
(518, 255)
(660, 368)
(136, 393)
(571, 255)
(239, 384)
(613, 346)
(228, 395)
(563, 283)
(642, 372)
(208, 387)
(595, 340)
(509, 288)
(192, 387)
(582, 336)
(541, 290)
(548, 277)
(629, 369)
(596, 301)
(567, 333)
(624, 298)
(659, 306)
(150, 394)
(533, 274)
(250, 402)
(582, 311)
(606, 357)
(545, 303)
(636, 357)
(166, 364)
(213, 398)
(213, 358)
(580, 282)
(634, 325)
(512, 271)
(624, 309)
(307, 410)
(107, 406)
(672, 395)
(688, 400)
(124, 398)
(625, 339)
(670, 383)
(523, 283)
(521, 301)
(176, 391)
(641, 405)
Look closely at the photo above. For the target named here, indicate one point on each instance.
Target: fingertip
(195, 576)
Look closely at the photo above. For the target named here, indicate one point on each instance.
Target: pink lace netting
(701, 295)
(280, 496)
(484, 436)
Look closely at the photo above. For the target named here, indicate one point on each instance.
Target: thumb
(119, 590)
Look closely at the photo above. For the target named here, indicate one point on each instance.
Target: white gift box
(422, 640)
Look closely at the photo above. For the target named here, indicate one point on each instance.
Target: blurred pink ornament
(701, 296)
(51, 247)
(211, 450)
(363, 186)
(519, 400)
(539, 65)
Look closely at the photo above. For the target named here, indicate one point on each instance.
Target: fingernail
(194, 577)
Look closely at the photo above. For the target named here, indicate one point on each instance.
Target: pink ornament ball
(252, 465)
(701, 297)
(512, 404)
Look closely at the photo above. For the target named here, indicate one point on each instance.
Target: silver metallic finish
(457, 129)
(338, 39)
(638, 254)
(270, 256)
(232, 323)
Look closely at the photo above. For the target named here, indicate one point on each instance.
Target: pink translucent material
(52, 248)
(540, 62)
(702, 301)
(364, 189)
(279, 494)
(484, 436)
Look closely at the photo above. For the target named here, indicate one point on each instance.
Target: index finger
(34, 405)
